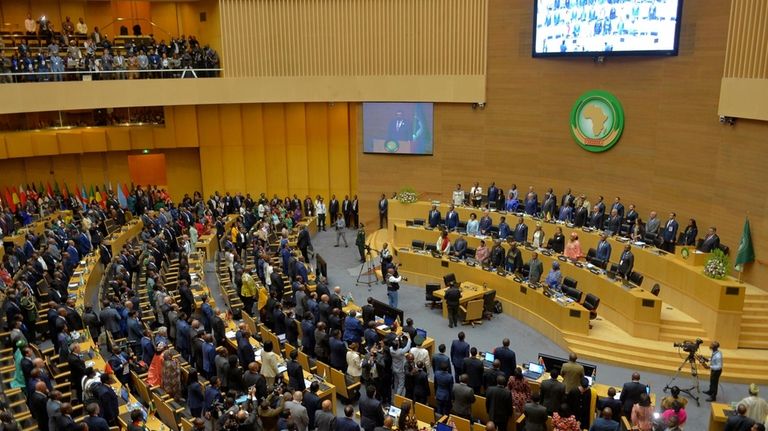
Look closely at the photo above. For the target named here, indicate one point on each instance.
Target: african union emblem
(597, 120)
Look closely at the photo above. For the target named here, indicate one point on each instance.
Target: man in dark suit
(580, 215)
(333, 208)
(434, 216)
(325, 420)
(463, 398)
(613, 225)
(383, 211)
(452, 219)
(627, 261)
(338, 351)
(669, 234)
(346, 209)
(93, 420)
(453, 302)
(295, 373)
(355, 210)
(506, 356)
(312, 403)
(37, 405)
(440, 358)
(473, 367)
(618, 206)
(521, 231)
(630, 394)
(459, 351)
(493, 193)
(371, 413)
(710, 242)
(245, 350)
(739, 421)
(498, 400)
(303, 242)
(605, 422)
(603, 252)
(347, 423)
(491, 375)
(596, 218)
(107, 399)
(443, 387)
(552, 392)
(535, 415)
(610, 402)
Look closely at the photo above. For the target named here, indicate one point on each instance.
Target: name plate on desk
(444, 264)
(574, 313)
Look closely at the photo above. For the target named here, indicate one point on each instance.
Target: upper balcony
(134, 53)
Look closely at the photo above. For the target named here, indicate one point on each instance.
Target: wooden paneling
(744, 88)
(673, 156)
(317, 148)
(354, 37)
(275, 148)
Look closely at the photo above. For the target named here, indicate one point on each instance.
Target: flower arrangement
(407, 195)
(717, 265)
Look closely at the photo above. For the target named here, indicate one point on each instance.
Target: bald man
(630, 394)
(325, 420)
(388, 424)
(605, 422)
(37, 405)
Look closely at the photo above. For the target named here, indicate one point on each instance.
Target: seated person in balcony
(573, 249)
(482, 253)
(460, 247)
(473, 225)
(434, 217)
(443, 243)
(711, 241)
(67, 27)
(555, 277)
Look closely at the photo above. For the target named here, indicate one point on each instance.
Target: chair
(418, 222)
(347, 392)
(478, 409)
(591, 302)
(470, 253)
(449, 278)
(525, 270)
(323, 369)
(399, 400)
(489, 299)
(725, 249)
(417, 244)
(460, 423)
(570, 282)
(432, 300)
(625, 229)
(636, 278)
(431, 247)
(656, 289)
(591, 254)
(424, 413)
(473, 312)
(572, 293)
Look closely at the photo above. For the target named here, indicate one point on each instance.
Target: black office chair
(488, 303)
(462, 227)
(724, 248)
(591, 302)
(625, 229)
(656, 289)
(449, 278)
(570, 282)
(470, 252)
(591, 254)
(417, 244)
(572, 293)
(431, 247)
(635, 278)
(525, 270)
(432, 300)
(418, 222)
(650, 238)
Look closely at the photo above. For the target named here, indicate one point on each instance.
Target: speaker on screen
(397, 128)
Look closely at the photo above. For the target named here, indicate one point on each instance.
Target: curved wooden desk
(525, 304)
(634, 310)
(717, 304)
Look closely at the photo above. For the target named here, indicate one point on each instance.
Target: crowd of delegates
(78, 49)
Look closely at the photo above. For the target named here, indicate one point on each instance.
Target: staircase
(674, 331)
(754, 322)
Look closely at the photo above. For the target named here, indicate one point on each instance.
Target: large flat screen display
(397, 128)
(606, 27)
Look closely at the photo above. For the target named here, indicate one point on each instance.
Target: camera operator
(393, 285)
(271, 408)
(716, 369)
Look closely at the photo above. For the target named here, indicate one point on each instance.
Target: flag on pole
(22, 195)
(126, 192)
(745, 253)
(49, 190)
(56, 188)
(121, 197)
(83, 195)
(9, 200)
(64, 191)
(15, 198)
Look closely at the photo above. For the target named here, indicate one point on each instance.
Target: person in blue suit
(459, 351)
(84, 245)
(209, 356)
(434, 216)
(212, 395)
(452, 219)
(603, 249)
(521, 231)
(504, 230)
(353, 329)
(195, 395)
(566, 213)
(29, 247)
(107, 399)
(182, 335)
(338, 354)
(618, 206)
(485, 223)
(670, 233)
(147, 348)
(493, 193)
(347, 423)
(443, 389)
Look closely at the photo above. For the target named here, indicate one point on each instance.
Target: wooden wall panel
(118, 139)
(254, 154)
(19, 145)
(275, 148)
(354, 38)
(674, 155)
(45, 144)
(94, 140)
(338, 149)
(296, 149)
(184, 117)
(317, 148)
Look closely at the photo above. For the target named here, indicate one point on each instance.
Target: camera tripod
(691, 360)
(367, 273)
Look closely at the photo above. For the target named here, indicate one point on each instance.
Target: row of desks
(717, 304)
(634, 310)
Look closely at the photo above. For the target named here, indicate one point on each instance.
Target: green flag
(746, 253)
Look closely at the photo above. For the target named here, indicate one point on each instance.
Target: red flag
(22, 196)
(9, 200)
(65, 192)
(49, 190)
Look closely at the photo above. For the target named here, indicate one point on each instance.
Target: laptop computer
(394, 412)
(534, 371)
(421, 336)
(488, 359)
(443, 427)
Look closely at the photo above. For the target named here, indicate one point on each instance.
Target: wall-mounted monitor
(397, 128)
(594, 28)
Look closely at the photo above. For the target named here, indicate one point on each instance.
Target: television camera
(688, 346)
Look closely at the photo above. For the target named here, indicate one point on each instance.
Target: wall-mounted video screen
(606, 27)
(397, 128)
